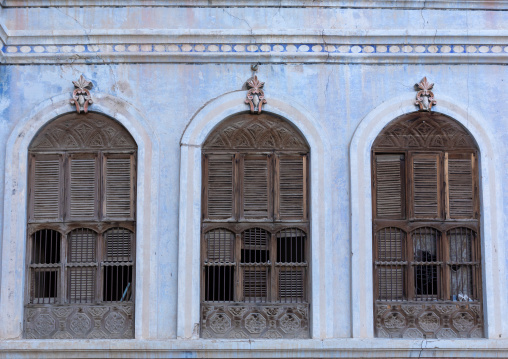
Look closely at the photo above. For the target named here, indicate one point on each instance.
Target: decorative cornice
(264, 52)
(485, 5)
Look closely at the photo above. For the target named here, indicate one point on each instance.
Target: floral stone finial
(255, 96)
(425, 98)
(81, 97)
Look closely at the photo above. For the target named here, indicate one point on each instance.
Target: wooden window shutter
(219, 245)
(83, 186)
(460, 190)
(47, 196)
(291, 201)
(291, 284)
(389, 186)
(119, 184)
(82, 284)
(119, 243)
(82, 246)
(256, 187)
(255, 283)
(219, 186)
(426, 189)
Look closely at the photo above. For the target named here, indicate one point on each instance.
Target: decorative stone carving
(412, 333)
(429, 322)
(115, 322)
(256, 132)
(220, 323)
(446, 333)
(425, 130)
(44, 325)
(463, 322)
(81, 97)
(255, 323)
(434, 320)
(80, 322)
(71, 132)
(255, 96)
(394, 320)
(412, 309)
(289, 323)
(425, 98)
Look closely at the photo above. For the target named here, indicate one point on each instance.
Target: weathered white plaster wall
(166, 87)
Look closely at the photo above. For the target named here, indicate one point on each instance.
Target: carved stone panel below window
(238, 321)
(80, 322)
(429, 320)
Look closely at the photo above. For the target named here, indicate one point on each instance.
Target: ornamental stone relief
(81, 97)
(254, 321)
(432, 320)
(80, 322)
(424, 130)
(89, 131)
(256, 132)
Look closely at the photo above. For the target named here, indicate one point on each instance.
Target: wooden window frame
(400, 138)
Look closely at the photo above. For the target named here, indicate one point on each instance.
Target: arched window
(255, 226)
(427, 260)
(81, 225)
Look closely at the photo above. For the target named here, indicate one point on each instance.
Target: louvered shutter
(82, 284)
(47, 195)
(119, 182)
(255, 283)
(291, 284)
(219, 245)
(256, 185)
(219, 186)
(426, 194)
(83, 187)
(119, 243)
(82, 246)
(389, 183)
(460, 201)
(291, 200)
(390, 282)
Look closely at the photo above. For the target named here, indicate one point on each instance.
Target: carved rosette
(433, 320)
(81, 97)
(255, 96)
(240, 321)
(80, 322)
(425, 97)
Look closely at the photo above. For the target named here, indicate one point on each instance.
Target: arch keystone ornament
(81, 96)
(255, 96)
(425, 97)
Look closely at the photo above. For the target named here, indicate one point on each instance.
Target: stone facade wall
(169, 71)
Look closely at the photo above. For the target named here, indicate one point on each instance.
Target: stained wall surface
(167, 62)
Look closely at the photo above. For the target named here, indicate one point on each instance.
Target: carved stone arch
(82, 131)
(424, 130)
(264, 132)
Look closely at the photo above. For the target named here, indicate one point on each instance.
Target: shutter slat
(390, 244)
(220, 187)
(220, 245)
(119, 245)
(255, 283)
(83, 191)
(389, 179)
(391, 281)
(81, 284)
(118, 188)
(82, 245)
(460, 177)
(255, 187)
(291, 187)
(291, 284)
(425, 187)
(47, 188)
